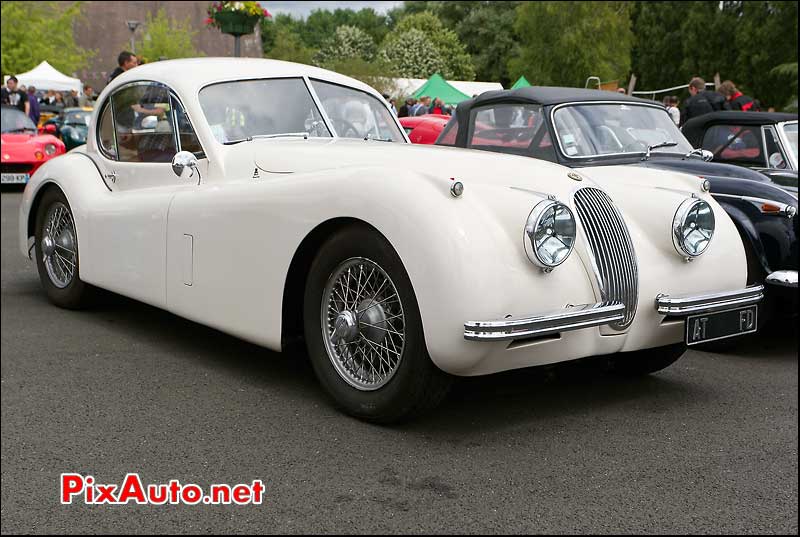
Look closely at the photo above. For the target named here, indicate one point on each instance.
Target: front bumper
(783, 278)
(680, 305)
(570, 318)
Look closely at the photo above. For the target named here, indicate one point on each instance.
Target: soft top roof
(547, 95)
(695, 127)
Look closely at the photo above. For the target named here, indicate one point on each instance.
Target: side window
(511, 128)
(450, 133)
(186, 135)
(105, 133)
(775, 158)
(143, 123)
(735, 142)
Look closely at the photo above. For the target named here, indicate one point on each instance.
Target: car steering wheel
(344, 128)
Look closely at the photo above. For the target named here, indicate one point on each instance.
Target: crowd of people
(419, 107)
(30, 101)
(703, 101)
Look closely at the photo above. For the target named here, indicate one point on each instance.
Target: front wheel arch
(37, 200)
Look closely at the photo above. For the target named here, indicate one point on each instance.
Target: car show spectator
(701, 101)
(13, 96)
(737, 100)
(87, 99)
(126, 60)
(34, 112)
(404, 110)
(71, 99)
(421, 108)
(671, 104)
(439, 107)
(59, 99)
(621, 90)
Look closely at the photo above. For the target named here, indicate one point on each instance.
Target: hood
(20, 147)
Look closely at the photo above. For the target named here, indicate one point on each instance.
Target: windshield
(591, 130)
(249, 108)
(15, 121)
(790, 130)
(356, 114)
(77, 117)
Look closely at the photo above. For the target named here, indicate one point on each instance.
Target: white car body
(221, 251)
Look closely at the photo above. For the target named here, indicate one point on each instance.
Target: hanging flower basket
(236, 18)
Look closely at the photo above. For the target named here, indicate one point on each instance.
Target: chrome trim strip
(570, 318)
(783, 278)
(785, 209)
(318, 104)
(690, 304)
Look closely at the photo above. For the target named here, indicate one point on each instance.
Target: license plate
(721, 325)
(14, 178)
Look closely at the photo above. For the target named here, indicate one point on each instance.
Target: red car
(23, 148)
(424, 129)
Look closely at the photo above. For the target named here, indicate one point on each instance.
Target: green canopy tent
(436, 86)
(521, 82)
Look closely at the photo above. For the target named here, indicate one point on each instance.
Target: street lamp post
(132, 25)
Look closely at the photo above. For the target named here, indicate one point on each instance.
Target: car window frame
(757, 130)
(109, 101)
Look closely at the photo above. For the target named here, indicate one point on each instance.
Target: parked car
(424, 129)
(277, 201)
(71, 125)
(765, 141)
(596, 131)
(24, 150)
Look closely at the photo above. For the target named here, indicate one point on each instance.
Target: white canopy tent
(46, 77)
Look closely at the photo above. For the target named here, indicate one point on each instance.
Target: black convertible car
(587, 128)
(765, 141)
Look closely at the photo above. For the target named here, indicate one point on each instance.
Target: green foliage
(346, 43)
(287, 46)
(559, 46)
(375, 73)
(323, 23)
(33, 32)
(166, 38)
(436, 47)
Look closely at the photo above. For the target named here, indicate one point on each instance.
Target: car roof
(547, 95)
(189, 75)
(695, 127)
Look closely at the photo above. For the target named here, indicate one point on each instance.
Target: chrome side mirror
(184, 164)
(706, 155)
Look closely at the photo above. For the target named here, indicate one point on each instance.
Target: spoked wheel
(363, 324)
(364, 331)
(56, 248)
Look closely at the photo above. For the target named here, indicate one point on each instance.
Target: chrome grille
(611, 249)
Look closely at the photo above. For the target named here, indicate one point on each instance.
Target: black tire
(646, 361)
(77, 294)
(417, 385)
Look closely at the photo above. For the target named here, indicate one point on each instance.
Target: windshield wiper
(657, 146)
(377, 138)
(278, 135)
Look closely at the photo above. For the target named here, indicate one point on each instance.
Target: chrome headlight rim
(679, 224)
(533, 223)
(50, 149)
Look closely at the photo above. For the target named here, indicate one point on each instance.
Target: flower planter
(236, 24)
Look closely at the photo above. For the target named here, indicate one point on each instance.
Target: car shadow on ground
(490, 402)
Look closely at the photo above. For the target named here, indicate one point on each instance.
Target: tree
(288, 46)
(564, 46)
(346, 43)
(323, 23)
(33, 32)
(421, 44)
(166, 38)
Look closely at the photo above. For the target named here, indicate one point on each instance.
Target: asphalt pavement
(707, 446)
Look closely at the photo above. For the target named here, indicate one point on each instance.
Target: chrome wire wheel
(363, 324)
(59, 245)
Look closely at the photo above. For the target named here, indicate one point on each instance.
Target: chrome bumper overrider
(570, 318)
(692, 304)
(784, 278)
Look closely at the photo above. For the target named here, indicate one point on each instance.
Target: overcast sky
(302, 9)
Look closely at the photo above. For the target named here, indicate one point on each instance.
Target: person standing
(87, 99)
(405, 109)
(12, 96)
(701, 101)
(34, 112)
(71, 99)
(671, 104)
(738, 100)
(421, 108)
(126, 61)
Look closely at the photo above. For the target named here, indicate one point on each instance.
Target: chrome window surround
(610, 250)
(784, 140)
(680, 305)
(570, 318)
(604, 155)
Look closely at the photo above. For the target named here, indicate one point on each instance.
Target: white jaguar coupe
(280, 202)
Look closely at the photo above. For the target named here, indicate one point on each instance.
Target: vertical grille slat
(611, 248)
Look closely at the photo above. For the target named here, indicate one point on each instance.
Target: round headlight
(50, 149)
(692, 227)
(549, 234)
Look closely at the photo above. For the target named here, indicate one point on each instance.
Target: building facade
(104, 29)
